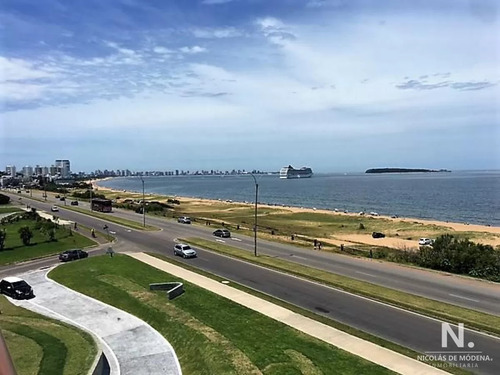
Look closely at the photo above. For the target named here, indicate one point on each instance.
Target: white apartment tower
(10, 170)
(28, 171)
(63, 167)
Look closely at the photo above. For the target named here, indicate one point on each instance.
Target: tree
(26, 235)
(4, 199)
(49, 228)
(3, 236)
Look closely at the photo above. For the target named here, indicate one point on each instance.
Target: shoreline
(459, 227)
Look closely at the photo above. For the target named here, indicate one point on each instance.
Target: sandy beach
(343, 239)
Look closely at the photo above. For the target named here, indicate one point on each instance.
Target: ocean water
(468, 196)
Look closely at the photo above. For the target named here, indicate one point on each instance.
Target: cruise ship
(291, 172)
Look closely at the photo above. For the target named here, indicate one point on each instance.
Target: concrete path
(132, 347)
(365, 349)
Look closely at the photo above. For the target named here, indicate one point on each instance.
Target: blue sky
(216, 84)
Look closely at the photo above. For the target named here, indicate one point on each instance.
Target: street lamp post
(90, 196)
(255, 215)
(143, 205)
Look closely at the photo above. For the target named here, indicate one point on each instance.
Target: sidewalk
(362, 348)
(131, 346)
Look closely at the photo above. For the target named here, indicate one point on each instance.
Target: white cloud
(21, 92)
(275, 31)
(193, 49)
(162, 50)
(226, 32)
(17, 70)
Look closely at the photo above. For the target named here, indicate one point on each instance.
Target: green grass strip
(448, 312)
(59, 348)
(210, 334)
(320, 318)
(54, 351)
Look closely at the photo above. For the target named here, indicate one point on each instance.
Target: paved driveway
(131, 345)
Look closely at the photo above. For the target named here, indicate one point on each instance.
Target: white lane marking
(468, 299)
(235, 239)
(220, 241)
(297, 256)
(367, 274)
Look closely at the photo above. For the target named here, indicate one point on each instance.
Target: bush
(461, 256)
(4, 199)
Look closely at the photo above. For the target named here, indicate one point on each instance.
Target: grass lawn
(39, 345)
(448, 312)
(128, 223)
(40, 246)
(5, 209)
(210, 334)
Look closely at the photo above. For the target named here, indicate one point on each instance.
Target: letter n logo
(447, 330)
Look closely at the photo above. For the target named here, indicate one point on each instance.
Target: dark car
(69, 255)
(378, 235)
(16, 288)
(62, 199)
(74, 203)
(222, 233)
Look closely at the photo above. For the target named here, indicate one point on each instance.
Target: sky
(336, 85)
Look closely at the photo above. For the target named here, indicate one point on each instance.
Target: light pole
(143, 205)
(255, 216)
(90, 196)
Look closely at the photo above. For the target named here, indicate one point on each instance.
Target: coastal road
(408, 329)
(460, 291)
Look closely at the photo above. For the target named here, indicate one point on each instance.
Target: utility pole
(143, 205)
(90, 195)
(255, 215)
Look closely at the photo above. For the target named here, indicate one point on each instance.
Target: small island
(404, 170)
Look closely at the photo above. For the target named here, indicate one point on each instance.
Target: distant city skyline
(338, 86)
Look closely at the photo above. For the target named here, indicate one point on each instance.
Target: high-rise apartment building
(27, 171)
(63, 168)
(10, 170)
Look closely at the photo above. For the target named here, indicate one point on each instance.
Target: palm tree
(26, 235)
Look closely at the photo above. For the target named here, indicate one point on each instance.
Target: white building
(27, 171)
(10, 170)
(63, 167)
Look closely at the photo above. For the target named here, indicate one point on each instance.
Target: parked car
(425, 241)
(184, 220)
(184, 250)
(74, 203)
(54, 209)
(16, 288)
(62, 199)
(57, 196)
(222, 233)
(74, 254)
(378, 235)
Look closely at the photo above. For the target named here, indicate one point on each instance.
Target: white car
(184, 220)
(54, 209)
(184, 250)
(425, 241)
